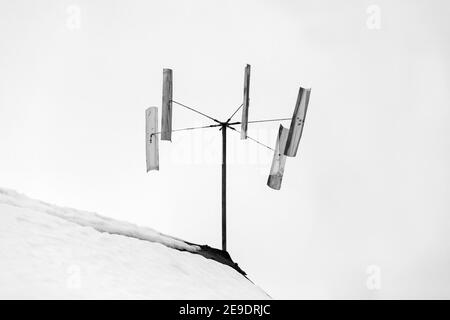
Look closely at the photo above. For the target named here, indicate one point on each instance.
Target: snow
(50, 252)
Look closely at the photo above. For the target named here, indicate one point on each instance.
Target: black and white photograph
(204, 150)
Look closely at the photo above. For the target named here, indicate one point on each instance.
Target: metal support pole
(224, 187)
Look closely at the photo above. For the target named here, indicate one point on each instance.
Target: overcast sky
(368, 193)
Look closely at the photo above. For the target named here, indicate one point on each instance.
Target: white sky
(371, 182)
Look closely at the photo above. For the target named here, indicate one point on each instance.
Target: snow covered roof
(48, 251)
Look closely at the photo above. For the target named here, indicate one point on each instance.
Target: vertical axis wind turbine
(286, 145)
